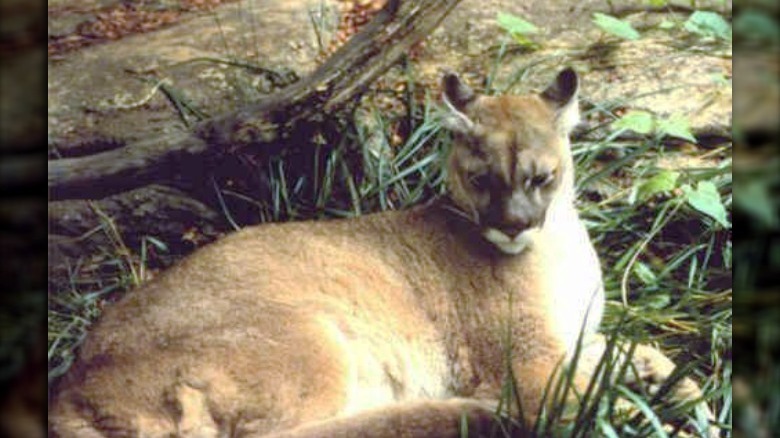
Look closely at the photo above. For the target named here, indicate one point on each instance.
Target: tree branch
(330, 88)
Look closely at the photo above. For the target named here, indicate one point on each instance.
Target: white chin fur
(507, 245)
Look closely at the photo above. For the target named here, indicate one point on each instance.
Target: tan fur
(390, 324)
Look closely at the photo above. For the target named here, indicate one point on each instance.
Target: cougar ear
(561, 95)
(457, 96)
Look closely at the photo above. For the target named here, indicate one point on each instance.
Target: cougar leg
(421, 419)
(650, 368)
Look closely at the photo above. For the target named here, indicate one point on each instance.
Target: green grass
(75, 303)
(667, 264)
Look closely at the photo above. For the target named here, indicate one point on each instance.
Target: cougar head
(510, 158)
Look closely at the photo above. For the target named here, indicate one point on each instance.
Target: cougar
(403, 323)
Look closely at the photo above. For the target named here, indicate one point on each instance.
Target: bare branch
(334, 85)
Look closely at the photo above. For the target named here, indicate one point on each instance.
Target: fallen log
(337, 83)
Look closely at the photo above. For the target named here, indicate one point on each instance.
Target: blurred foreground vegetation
(757, 224)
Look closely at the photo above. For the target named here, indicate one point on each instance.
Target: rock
(667, 72)
(66, 24)
(158, 211)
(82, 230)
(109, 90)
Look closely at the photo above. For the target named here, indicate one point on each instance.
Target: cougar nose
(513, 229)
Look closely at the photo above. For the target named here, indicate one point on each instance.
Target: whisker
(473, 218)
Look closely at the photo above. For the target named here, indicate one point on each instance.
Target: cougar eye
(539, 180)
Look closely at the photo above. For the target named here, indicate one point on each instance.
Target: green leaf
(708, 24)
(756, 27)
(666, 25)
(518, 28)
(525, 41)
(676, 126)
(663, 181)
(720, 79)
(645, 274)
(615, 26)
(515, 25)
(706, 199)
(658, 301)
(754, 199)
(640, 122)
(658, 3)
